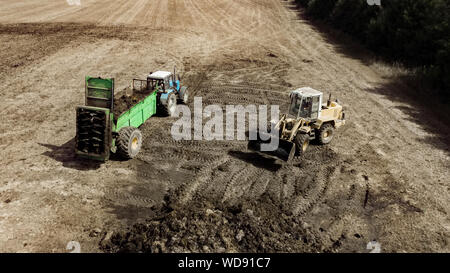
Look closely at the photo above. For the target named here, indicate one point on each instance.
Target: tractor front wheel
(302, 143)
(325, 133)
(129, 142)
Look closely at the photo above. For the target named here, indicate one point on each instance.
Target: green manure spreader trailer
(106, 124)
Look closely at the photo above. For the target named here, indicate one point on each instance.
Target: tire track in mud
(244, 94)
(216, 146)
(248, 182)
(230, 189)
(189, 189)
(124, 198)
(247, 179)
(187, 152)
(305, 202)
(231, 99)
(242, 182)
(187, 155)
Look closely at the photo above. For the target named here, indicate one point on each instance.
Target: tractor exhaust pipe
(174, 73)
(329, 101)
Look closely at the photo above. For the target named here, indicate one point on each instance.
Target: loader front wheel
(301, 143)
(129, 142)
(325, 133)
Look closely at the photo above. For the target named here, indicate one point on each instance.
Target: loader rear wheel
(301, 143)
(129, 142)
(325, 134)
(171, 105)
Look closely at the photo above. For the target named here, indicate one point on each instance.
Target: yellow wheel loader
(306, 119)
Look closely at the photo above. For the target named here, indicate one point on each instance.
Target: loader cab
(305, 103)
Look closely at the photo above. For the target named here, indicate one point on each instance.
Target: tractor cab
(168, 90)
(164, 80)
(305, 103)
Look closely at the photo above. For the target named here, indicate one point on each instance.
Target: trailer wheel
(171, 105)
(302, 143)
(184, 95)
(325, 133)
(129, 142)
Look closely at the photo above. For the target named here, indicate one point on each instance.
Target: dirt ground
(383, 178)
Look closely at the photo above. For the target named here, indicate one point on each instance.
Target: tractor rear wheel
(302, 143)
(171, 105)
(325, 133)
(129, 142)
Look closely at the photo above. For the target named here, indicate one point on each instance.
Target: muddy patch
(253, 226)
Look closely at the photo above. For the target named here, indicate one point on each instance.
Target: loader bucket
(285, 150)
(256, 144)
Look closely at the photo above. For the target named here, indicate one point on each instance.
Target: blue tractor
(168, 90)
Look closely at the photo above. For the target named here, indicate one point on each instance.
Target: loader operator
(306, 105)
